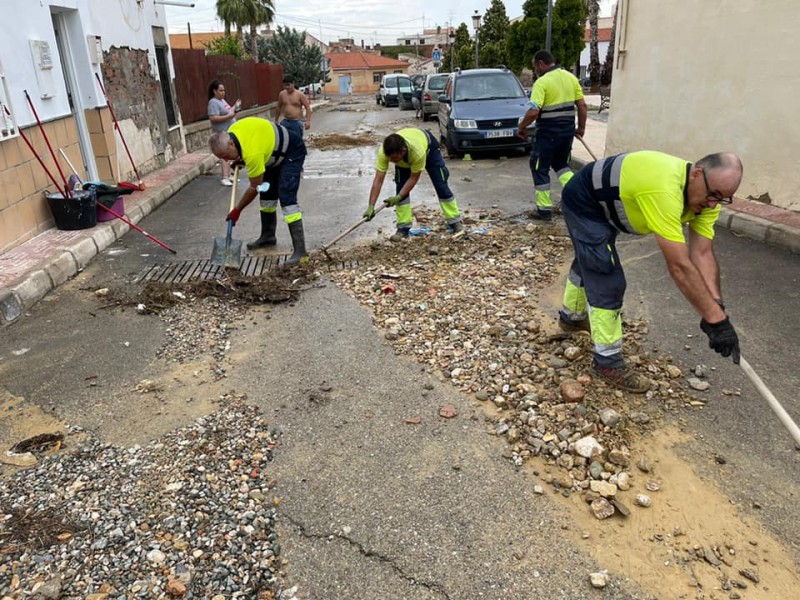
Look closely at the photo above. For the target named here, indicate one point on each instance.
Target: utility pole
(549, 36)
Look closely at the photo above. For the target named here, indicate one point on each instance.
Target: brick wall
(23, 209)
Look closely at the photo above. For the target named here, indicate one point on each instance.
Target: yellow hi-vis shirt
(417, 143)
(554, 94)
(256, 138)
(651, 187)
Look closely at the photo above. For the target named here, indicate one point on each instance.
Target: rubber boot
(268, 222)
(299, 243)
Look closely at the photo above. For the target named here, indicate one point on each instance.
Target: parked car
(405, 92)
(432, 87)
(388, 92)
(480, 109)
(312, 88)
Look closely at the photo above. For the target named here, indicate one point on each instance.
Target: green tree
(494, 28)
(569, 21)
(528, 36)
(493, 34)
(287, 47)
(245, 13)
(592, 8)
(225, 45)
(608, 65)
(461, 55)
(524, 39)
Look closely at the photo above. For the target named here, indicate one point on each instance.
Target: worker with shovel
(274, 155)
(412, 150)
(640, 193)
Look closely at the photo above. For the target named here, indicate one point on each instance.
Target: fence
(256, 84)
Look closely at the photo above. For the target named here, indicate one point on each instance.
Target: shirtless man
(291, 102)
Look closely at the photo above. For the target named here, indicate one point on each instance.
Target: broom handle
(784, 417)
(35, 154)
(116, 126)
(70, 164)
(351, 229)
(589, 150)
(47, 141)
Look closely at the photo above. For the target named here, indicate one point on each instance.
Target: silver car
(433, 87)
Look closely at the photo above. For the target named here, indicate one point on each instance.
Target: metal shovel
(227, 251)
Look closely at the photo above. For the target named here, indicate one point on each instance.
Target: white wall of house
(120, 24)
(602, 50)
(692, 78)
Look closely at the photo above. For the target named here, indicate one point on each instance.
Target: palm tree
(593, 11)
(242, 13)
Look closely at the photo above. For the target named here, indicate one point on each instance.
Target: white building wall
(698, 77)
(118, 23)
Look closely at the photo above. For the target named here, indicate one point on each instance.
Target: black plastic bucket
(78, 212)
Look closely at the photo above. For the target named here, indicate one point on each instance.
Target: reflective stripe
(291, 218)
(574, 300)
(543, 199)
(560, 113)
(551, 107)
(597, 174)
(606, 329)
(268, 206)
(450, 210)
(403, 215)
(623, 218)
(616, 170)
(609, 349)
(281, 145)
(564, 175)
(542, 187)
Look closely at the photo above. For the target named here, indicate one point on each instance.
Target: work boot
(268, 222)
(400, 235)
(570, 325)
(299, 256)
(455, 227)
(542, 215)
(624, 378)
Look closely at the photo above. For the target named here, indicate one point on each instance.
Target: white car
(312, 88)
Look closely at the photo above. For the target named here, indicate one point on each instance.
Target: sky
(373, 21)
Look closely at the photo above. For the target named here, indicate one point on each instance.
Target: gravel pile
(469, 307)
(189, 515)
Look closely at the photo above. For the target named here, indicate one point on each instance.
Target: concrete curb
(22, 295)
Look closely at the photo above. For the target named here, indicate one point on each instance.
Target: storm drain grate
(199, 270)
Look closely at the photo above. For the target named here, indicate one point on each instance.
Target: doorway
(67, 28)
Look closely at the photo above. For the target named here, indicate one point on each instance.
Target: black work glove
(722, 338)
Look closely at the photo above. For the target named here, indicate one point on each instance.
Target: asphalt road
(373, 508)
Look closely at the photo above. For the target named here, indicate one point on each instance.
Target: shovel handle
(784, 417)
(351, 229)
(235, 186)
(585, 145)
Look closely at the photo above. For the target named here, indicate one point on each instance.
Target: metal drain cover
(199, 270)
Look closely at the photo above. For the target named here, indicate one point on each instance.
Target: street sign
(436, 56)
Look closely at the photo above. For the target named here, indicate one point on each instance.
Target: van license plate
(498, 133)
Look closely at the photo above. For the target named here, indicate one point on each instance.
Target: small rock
(141, 309)
(101, 292)
(448, 411)
(639, 418)
(621, 508)
(596, 469)
(537, 489)
(572, 353)
(587, 447)
(644, 465)
(643, 500)
(572, 391)
(749, 574)
(602, 508)
(609, 417)
(156, 557)
(620, 456)
(599, 580)
(673, 371)
(604, 488)
(652, 486)
(698, 384)
(49, 590)
(482, 395)
(623, 481)
(175, 588)
(433, 250)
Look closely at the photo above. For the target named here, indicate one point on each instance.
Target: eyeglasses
(713, 194)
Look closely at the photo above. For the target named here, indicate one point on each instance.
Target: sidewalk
(31, 270)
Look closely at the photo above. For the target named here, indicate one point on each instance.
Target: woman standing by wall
(222, 115)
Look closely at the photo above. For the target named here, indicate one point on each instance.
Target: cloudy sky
(373, 21)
